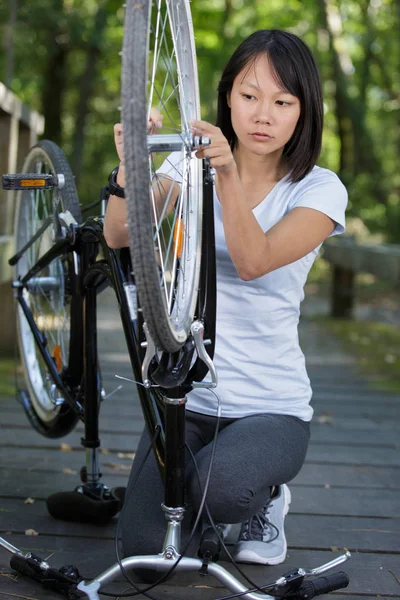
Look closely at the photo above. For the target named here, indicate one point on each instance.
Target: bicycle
(62, 263)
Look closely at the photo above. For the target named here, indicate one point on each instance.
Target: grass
(375, 345)
(7, 377)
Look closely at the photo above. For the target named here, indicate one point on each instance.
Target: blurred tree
(66, 65)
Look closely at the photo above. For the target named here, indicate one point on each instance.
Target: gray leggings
(252, 454)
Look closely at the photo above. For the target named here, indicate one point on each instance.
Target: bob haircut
(297, 73)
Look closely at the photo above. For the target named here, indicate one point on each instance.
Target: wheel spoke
(47, 295)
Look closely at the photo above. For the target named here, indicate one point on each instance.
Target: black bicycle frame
(163, 409)
(89, 275)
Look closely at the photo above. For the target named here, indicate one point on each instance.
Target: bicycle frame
(89, 276)
(163, 412)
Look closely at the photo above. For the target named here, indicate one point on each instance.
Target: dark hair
(296, 71)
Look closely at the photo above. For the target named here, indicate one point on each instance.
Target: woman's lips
(262, 137)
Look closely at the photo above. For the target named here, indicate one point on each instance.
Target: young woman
(273, 210)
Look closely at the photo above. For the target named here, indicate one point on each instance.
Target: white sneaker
(262, 538)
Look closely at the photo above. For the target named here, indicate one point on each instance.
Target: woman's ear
(228, 98)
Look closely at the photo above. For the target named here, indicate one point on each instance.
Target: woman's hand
(154, 122)
(219, 152)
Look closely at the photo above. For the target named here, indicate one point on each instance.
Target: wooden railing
(19, 129)
(348, 258)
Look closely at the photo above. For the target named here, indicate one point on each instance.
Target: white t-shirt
(260, 366)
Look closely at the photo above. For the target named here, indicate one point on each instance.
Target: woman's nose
(264, 114)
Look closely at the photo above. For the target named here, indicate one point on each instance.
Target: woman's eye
(282, 103)
(248, 96)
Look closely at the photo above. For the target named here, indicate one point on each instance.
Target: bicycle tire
(42, 402)
(167, 294)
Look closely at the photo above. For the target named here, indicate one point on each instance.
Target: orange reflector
(179, 231)
(32, 182)
(57, 357)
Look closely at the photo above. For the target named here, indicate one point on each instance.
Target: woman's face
(263, 115)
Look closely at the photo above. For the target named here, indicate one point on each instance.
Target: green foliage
(7, 377)
(362, 35)
(377, 346)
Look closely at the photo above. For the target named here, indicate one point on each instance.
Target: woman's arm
(116, 217)
(253, 251)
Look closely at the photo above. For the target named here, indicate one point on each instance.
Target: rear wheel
(47, 294)
(160, 69)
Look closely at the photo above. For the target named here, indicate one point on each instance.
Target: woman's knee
(229, 500)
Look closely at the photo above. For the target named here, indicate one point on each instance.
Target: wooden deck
(347, 495)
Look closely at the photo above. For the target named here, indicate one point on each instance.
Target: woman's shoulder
(319, 176)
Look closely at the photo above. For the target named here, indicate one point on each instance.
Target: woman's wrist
(121, 175)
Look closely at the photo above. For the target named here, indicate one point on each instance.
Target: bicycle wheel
(164, 211)
(47, 294)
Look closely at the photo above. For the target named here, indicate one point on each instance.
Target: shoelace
(256, 527)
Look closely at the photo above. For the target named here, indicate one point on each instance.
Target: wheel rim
(172, 87)
(45, 294)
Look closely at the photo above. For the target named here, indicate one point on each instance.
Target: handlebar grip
(322, 585)
(20, 564)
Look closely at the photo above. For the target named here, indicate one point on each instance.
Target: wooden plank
(362, 399)
(35, 459)
(349, 502)
(319, 452)
(349, 476)
(354, 455)
(18, 517)
(351, 410)
(325, 436)
(112, 423)
(22, 483)
(353, 533)
(40, 483)
(18, 425)
(305, 500)
(370, 575)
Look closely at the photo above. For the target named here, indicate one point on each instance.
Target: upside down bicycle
(63, 262)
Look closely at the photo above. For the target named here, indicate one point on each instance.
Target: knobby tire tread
(66, 419)
(69, 193)
(135, 147)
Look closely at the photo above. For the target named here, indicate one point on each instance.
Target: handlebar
(322, 585)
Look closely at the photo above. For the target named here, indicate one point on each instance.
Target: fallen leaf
(9, 576)
(65, 447)
(325, 419)
(29, 501)
(117, 466)
(16, 596)
(128, 455)
(31, 532)
(104, 451)
(395, 576)
(68, 471)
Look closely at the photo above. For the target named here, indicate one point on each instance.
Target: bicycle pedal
(31, 181)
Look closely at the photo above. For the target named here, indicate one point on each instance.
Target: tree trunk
(9, 43)
(55, 74)
(351, 125)
(86, 91)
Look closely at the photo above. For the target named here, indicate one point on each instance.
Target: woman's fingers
(118, 139)
(204, 126)
(155, 120)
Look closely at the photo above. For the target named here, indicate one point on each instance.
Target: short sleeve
(322, 190)
(171, 167)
